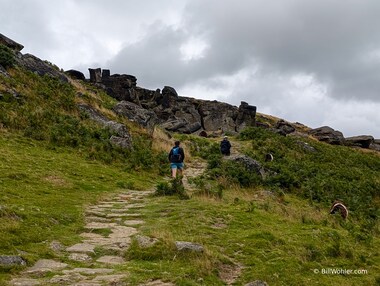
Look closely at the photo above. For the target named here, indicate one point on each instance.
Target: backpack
(225, 146)
(176, 156)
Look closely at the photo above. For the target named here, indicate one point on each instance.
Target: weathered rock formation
(284, 128)
(248, 163)
(122, 137)
(40, 67)
(10, 43)
(173, 112)
(31, 62)
(75, 74)
(328, 135)
(363, 141)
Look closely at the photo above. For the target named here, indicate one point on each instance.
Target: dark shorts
(176, 166)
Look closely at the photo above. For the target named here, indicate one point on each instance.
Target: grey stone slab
(81, 257)
(88, 271)
(134, 222)
(110, 279)
(67, 279)
(115, 215)
(99, 225)
(45, 265)
(81, 248)
(109, 259)
(97, 219)
(11, 260)
(24, 282)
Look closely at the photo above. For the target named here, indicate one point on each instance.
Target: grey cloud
(325, 38)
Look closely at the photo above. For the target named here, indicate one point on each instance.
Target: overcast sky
(316, 62)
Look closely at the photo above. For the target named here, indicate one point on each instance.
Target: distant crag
(32, 63)
(171, 111)
(166, 108)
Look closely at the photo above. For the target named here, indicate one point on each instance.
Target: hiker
(225, 146)
(176, 157)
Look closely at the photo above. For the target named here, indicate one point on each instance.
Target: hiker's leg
(174, 170)
(180, 167)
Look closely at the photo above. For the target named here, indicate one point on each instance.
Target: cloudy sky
(316, 62)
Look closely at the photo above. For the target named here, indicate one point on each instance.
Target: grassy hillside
(54, 161)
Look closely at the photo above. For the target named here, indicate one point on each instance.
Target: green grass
(278, 241)
(44, 192)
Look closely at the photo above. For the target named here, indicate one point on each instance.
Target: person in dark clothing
(225, 146)
(176, 157)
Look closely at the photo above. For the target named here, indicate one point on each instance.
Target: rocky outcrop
(136, 113)
(249, 164)
(173, 112)
(122, 138)
(10, 43)
(328, 135)
(375, 146)
(363, 141)
(31, 62)
(246, 115)
(39, 66)
(284, 128)
(75, 74)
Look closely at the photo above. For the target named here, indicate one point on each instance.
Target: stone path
(192, 169)
(109, 226)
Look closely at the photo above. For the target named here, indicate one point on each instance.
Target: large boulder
(181, 126)
(136, 113)
(121, 87)
(363, 141)
(169, 96)
(246, 116)
(328, 135)
(75, 74)
(249, 163)
(284, 128)
(218, 116)
(95, 75)
(40, 67)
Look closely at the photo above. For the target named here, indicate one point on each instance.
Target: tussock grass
(278, 240)
(162, 141)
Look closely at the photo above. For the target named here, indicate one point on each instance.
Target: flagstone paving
(109, 225)
(111, 216)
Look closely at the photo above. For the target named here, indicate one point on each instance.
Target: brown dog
(339, 206)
